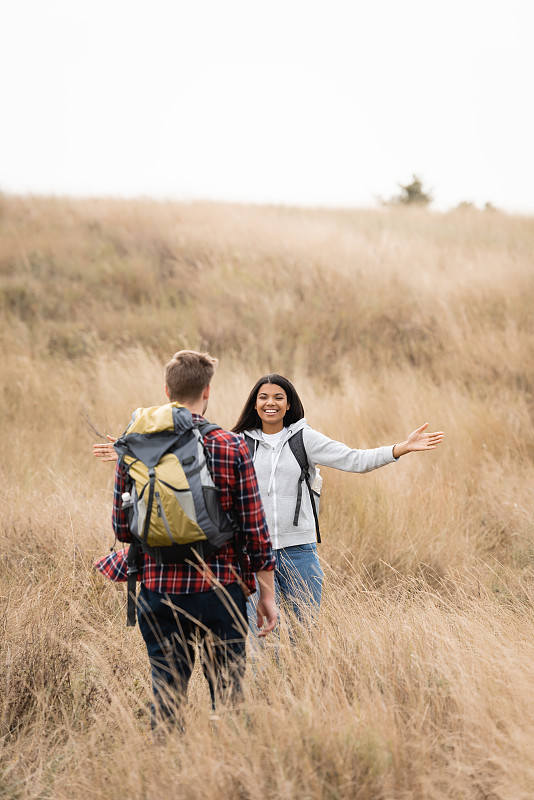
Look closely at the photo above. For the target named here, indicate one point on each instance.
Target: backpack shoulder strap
(206, 427)
(252, 445)
(296, 443)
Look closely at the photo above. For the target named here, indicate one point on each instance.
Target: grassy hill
(417, 681)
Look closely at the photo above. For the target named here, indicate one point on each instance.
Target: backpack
(296, 444)
(173, 506)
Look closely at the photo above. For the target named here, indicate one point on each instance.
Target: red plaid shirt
(235, 478)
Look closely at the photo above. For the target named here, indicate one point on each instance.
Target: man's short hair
(188, 373)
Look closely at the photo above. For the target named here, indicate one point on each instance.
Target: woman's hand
(418, 440)
(105, 451)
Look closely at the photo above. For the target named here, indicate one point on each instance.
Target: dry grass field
(417, 682)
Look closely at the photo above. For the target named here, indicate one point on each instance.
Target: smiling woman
(272, 421)
(286, 453)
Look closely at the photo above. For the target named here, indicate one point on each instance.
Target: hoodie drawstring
(276, 459)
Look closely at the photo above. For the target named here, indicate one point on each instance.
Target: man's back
(235, 479)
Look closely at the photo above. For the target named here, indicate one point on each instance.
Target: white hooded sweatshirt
(278, 476)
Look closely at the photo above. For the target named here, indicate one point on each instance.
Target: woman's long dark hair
(248, 419)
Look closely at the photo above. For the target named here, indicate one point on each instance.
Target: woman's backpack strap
(252, 445)
(296, 444)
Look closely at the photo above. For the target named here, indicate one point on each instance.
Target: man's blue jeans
(173, 624)
(298, 581)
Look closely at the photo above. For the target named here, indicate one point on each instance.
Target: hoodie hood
(256, 433)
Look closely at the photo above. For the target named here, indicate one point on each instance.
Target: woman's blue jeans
(298, 581)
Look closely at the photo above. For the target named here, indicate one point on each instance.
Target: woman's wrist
(400, 449)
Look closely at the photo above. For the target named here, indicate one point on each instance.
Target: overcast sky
(310, 103)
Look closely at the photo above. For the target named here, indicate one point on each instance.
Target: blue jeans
(173, 624)
(298, 581)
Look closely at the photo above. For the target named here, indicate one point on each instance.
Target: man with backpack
(193, 588)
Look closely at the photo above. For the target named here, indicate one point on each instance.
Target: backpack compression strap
(297, 448)
(133, 568)
(133, 555)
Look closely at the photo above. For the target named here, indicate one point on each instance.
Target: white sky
(293, 102)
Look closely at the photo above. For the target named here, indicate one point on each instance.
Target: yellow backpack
(174, 509)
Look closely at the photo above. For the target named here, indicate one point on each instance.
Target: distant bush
(468, 205)
(412, 194)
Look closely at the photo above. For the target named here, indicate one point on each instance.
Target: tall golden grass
(417, 681)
